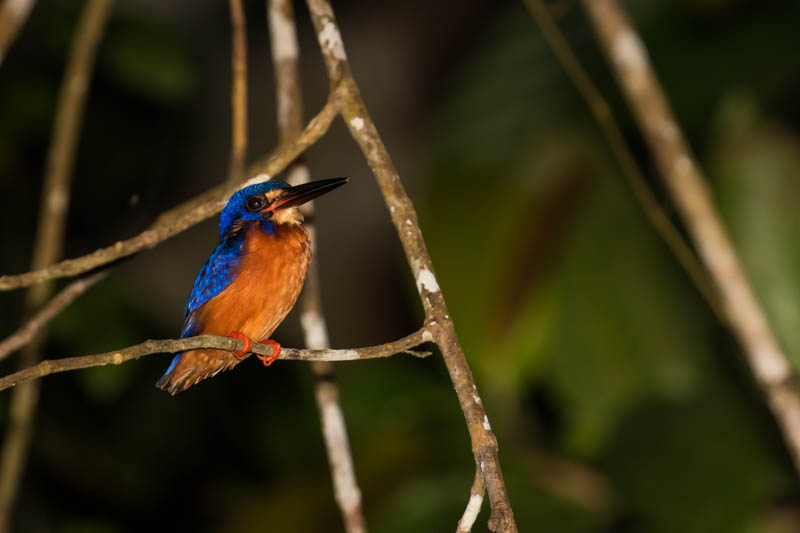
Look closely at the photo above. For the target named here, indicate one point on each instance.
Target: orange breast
(268, 283)
(266, 287)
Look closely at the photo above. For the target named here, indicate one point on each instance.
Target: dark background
(620, 403)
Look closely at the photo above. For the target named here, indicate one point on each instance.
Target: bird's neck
(276, 230)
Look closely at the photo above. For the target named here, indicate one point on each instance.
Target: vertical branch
(439, 325)
(238, 91)
(50, 236)
(13, 14)
(290, 112)
(687, 185)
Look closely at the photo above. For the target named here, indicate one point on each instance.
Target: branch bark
(238, 92)
(404, 218)
(692, 195)
(149, 347)
(50, 236)
(285, 55)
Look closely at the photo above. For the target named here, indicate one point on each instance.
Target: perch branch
(686, 183)
(601, 111)
(404, 218)
(285, 54)
(26, 333)
(13, 14)
(238, 92)
(178, 219)
(49, 243)
(149, 347)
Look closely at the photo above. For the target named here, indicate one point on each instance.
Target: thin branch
(403, 215)
(149, 347)
(601, 111)
(473, 505)
(49, 242)
(61, 301)
(13, 14)
(180, 218)
(238, 92)
(285, 54)
(689, 189)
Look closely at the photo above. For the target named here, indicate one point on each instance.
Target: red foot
(276, 351)
(248, 347)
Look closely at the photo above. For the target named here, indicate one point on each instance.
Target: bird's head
(271, 201)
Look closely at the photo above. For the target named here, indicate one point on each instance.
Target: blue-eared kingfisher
(250, 281)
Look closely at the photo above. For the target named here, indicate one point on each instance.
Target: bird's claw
(276, 351)
(248, 346)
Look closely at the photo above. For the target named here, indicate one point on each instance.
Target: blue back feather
(217, 272)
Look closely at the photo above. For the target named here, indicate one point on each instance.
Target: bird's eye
(255, 203)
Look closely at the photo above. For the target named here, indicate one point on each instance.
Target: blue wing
(216, 274)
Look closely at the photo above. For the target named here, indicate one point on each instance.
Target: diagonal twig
(404, 218)
(61, 301)
(150, 347)
(285, 54)
(601, 111)
(178, 219)
(689, 189)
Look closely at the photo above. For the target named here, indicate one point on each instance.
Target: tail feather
(190, 367)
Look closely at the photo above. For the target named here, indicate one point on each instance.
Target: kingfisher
(250, 281)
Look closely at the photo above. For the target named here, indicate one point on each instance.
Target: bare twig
(238, 92)
(26, 333)
(150, 347)
(180, 218)
(473, 505)
(285, 54)
(602, 113)
(13, 14)
(362, 128)
(685, 181)
(50, 236)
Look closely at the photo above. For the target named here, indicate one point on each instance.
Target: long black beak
(300, 194)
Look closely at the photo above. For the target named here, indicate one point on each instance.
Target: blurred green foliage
(620, 403)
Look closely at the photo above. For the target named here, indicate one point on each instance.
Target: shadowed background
(619, 402)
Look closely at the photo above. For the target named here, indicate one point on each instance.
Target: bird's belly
(266, 287)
